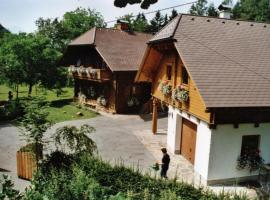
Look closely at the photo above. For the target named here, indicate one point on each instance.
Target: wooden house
(104, 63)
(214, 75)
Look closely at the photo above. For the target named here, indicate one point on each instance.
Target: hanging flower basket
(102, 101)
(133, 101)
(92, 73)
(165, 88)
(250, 159)
(181, 94)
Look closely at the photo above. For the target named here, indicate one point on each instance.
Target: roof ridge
(218, 18)
(114, 29)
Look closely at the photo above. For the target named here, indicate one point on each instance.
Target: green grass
(60, 108)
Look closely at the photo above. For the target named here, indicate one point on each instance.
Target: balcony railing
(90, 73)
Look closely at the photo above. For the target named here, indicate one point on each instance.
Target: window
(169, 72)
(250, 143)
(184, 75)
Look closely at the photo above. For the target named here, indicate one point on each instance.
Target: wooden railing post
(154, 117)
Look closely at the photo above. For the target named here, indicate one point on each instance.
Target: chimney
(225, 11)
(122, 25)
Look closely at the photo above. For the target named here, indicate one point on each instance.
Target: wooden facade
(93, 79)
(162, 60)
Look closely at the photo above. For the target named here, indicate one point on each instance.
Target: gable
(228, 60)
(122, 51)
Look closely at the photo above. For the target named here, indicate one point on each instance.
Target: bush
(12, 110)
(88, 177)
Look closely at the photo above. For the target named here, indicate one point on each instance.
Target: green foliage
(91, 178)
(35, 122)
(212, 11)
(7, 190)
(199, 8)
(140, 23)
(257, 10)
(76, 139)
(12, 109)
(173, 14)
(28, 58)
(156, 23)
(81, 20)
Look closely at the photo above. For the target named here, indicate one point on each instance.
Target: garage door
(188, 140)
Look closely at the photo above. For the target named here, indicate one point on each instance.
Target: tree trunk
(17, 91)
(30, 89)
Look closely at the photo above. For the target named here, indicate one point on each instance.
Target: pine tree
(166, 20)
(173, 14)
(156, 23)
(140, 23)
(212, 11)
(199, 8)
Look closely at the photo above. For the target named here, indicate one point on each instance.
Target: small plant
(181, 94)
(250, 159)
(155, 167)
(102, 101)
(7, 190)
(133, 101)
(165, 88)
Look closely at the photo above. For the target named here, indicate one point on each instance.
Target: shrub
(90, 178)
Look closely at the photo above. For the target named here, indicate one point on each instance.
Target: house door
(188, 140)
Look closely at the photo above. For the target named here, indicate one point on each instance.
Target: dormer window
(169, 72)
(184, 76)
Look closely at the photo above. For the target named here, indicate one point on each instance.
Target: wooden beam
(154, 116)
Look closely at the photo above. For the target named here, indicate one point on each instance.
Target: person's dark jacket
(165, 161)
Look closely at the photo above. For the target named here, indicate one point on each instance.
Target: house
(214, 75)
(104, 63)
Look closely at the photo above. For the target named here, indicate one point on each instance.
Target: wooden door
(188, 140)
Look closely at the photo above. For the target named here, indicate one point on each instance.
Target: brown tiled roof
(228, 60)
(167, 31)
(121, 50)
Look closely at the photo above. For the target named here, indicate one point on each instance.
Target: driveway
(115, 137)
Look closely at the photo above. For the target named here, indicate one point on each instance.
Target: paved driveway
(114, 136)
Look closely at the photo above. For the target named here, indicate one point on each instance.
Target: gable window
(184, 75)
(250, 143)
(169, 72)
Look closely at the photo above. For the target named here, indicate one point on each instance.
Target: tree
(76, 139)
(55, 31)
(35, 124)
(173, 14)
(29, 59)
(212, 11)
(258, 10)
(156, 23)
(166, 20)
(3, 30)
(145, 4)
(140, 23)
(199, 8)
(81, 20)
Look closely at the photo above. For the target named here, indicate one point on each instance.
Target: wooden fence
(26, 165)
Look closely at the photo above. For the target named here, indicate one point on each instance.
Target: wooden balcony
(99, 75)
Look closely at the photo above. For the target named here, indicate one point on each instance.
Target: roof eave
(170, 39)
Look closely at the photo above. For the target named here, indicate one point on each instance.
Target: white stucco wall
(203, 139)
(226, 147)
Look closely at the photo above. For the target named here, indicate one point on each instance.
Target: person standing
(165, 163)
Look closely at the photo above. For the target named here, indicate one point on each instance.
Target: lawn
(61, 108)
